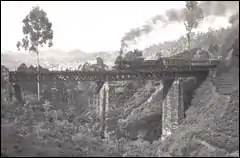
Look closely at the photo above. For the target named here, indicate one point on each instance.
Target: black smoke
(175, 15)
(209, 8)
(134, 33)
(232, 19)
(218, 8)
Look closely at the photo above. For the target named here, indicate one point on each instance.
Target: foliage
(213, 48)
(233, 18)
(99, 66)
(54, 128)
(193, 16)
(65, 129)
(22, 67)
(31, 68)
(37, 30)
(100, 61)
(133, 55)
(223, 37)
(118, 59)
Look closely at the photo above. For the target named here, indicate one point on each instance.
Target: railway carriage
(139, 63)
(174, 62)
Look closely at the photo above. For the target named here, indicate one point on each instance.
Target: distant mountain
(54, 58)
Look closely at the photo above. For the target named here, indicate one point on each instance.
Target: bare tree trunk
(189, 44)
(189, 40)
(38, 77)
(103, 115)
(121, 52)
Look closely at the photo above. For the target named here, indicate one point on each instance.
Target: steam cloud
(234, 18)
(210, 8)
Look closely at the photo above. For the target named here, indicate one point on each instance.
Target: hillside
(58, 58)
(211, 127)
(143, 116)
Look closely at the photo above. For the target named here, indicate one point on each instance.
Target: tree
(235, 46)
(103, 123)
(193, 16)
(31, 68)
(159, 55)
(213, 48)
(101, 64)
(37, 31)
(232, 19)
(138, 52)
(121, 52)
(79, 66)
(86, 66)
(133, 55)
(22, 67)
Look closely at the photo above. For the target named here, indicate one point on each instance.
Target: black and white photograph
(119, 78)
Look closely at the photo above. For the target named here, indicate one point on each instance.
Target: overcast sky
(92, 26)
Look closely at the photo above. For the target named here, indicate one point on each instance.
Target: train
(161, 63)
(135, 61)
(136, 64)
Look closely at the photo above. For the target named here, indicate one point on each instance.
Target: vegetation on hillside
(193, 16)
(199, 40)
(64, 125)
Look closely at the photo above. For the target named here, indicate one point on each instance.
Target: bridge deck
(111, 75)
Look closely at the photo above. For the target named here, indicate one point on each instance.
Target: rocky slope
(211, 127)
(204, 100)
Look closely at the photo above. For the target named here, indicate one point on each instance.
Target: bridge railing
(180, 62)
(110, 75)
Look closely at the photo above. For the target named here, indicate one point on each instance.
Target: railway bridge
(172, 108)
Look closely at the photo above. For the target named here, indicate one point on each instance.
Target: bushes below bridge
(211, 114)
(211, 127)
(44, 131)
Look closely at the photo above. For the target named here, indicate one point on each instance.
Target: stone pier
(93, 101)
(103, 98)
(103, 107)
(105, 102)
(172, 108)
(5, 85)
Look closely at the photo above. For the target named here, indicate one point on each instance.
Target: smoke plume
(234, 18)
(218, 8)
(210, 8)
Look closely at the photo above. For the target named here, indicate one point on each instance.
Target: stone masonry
(104, 107)
(172, 108)
(112, 91)
(105, 101)
(5, 85)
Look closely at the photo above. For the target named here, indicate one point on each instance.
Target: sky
(92, 26)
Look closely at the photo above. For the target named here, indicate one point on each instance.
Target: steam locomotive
(134, 61)
(160, 63)
(138, 63)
